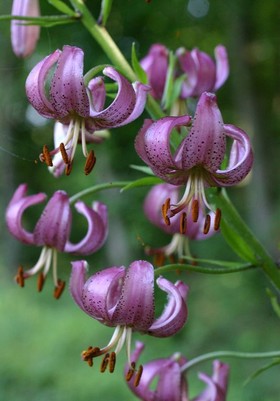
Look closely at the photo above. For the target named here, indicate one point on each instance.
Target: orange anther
(112, 362)
(183, 223)
(68, 168)
(195, 210)
(104, 362)
(217, 221)
(130, 372)
(138, 376)
(207, 224)
(90, 162)
(40, 281)
(46, 156)
(59, 289)
(20, 276)
(64, 154)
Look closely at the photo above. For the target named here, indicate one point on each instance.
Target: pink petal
(53, 227)
(77, 281)
(241, 158)
(68, 92)
(222, 66)
(136, 304)
(97, 229)
(15, 209)
(175, 313)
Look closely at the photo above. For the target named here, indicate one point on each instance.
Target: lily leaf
(142, 76)
(261, 370)
(61, 6)
(106, 6)
(146, 181)
(143, 169)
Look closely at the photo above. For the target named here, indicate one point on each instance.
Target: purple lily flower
(172, 384)
(182, 228)
(124, 299)
(78, 106)
(203, 74)
(52, 231)
(155, 64)
(197, 161)
(24, 37)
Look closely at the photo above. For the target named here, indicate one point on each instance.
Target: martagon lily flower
(202, 73)
(24, 37)
(79, 106)
(52, 231)
(172, 384)
(198, 160)
(124, 299)
(182, 228)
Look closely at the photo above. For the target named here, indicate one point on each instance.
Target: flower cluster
(190, 154)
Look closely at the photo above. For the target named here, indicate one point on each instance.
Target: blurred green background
(40, 338)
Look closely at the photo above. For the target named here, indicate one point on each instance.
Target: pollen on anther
(217, 221)
(46, 156)
(207, 224)
(90, 162)
(112, 362)
(138, 376)
(195, 210)
(68, 168)
(40, 281)
(183, 223)
(59, 289)
(130, 372)
(64, 154)
(104, 362)
(20, 276)
(164, 210)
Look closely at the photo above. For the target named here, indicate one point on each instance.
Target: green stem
(104, 39)
(203, 269)
(97, 188)
(229, 354)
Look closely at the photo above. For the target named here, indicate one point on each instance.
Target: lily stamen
(183, 223)
(217, 220)
(90, 162)
(195, 210)
(104, 362)
(207, 224)
(63, 153)
(20, 277)
(58, 290)
(40, 281)
(138, 376)
(45, 156)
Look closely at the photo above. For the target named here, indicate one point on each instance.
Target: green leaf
(146, 181)
(222, 263)
(274, 301)
(169, 83)
(143, 169)
(93, 72)
(261, 370)
(106, 6)
(61, 6)
(141, 75)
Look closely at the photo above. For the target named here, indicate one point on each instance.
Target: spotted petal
(15, 209)
(241, 158)
(53, 227)
(175, 313)
(136, 304)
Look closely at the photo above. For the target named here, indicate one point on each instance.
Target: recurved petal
(222, 66)
(102, 292)
(15, 209)
(175, 312)
(135, 307)
(122, 106)
(68, 92)
(77, 281)
(97, 229)
(97, 91)
(206, 72)
(53, 227)
(241, 158)
(216, 385)
(141, 92)
(206, 143)
(35, 85)
(154, 148)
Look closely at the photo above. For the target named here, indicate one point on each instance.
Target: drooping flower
(172, 384)
(197, 161)
(124, 299)
(81, 108)
(52, 231)
(155, 64)
(181, 227)
(202, 73)
(24, 37)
